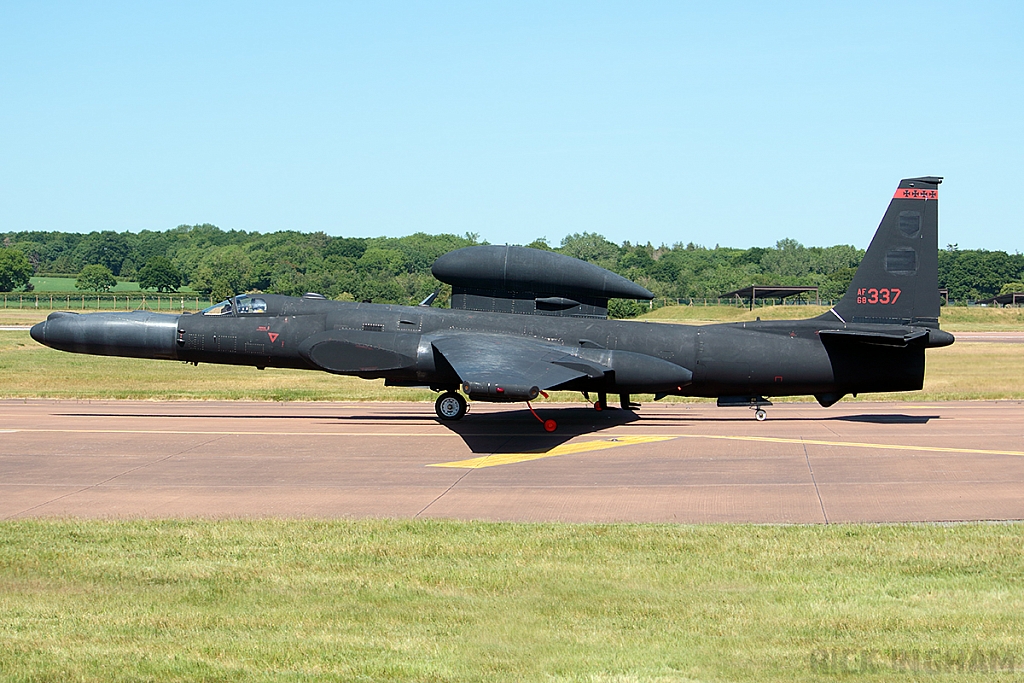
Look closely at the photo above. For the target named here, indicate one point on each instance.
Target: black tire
(450, 406)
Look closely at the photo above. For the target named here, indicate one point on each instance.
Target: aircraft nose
(52, 330)
(136, 334)
(38, 332)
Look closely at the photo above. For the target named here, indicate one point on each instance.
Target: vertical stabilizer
(898, 280)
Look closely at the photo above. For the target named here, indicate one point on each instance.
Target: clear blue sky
(730, 123)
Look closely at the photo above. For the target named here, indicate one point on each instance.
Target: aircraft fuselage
(373, 341)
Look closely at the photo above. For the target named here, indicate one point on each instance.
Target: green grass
(447, 601)
(67, 284)
(720, 314)
(964, 371)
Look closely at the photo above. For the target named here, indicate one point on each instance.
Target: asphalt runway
(991, 337)
(683, 463)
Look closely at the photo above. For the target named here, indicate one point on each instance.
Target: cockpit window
(226, 307)
(242, 304)
(248, 304)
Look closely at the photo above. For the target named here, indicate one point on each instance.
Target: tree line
(219, 263)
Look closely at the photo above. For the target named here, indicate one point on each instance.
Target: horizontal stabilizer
(877, 338)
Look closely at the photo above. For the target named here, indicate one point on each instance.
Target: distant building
(769, 292)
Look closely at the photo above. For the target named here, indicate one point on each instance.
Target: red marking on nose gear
(273, 336)
(911, 193)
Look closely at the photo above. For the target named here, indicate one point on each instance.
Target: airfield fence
(104, 302)
(663, 302)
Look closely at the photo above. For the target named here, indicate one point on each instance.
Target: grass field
(67, 284)
(963, 371)
(447, 601)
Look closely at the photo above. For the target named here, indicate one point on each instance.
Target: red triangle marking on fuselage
(273, 336)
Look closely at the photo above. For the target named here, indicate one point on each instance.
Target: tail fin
(898, 280)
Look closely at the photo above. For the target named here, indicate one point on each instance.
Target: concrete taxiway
(854, 462)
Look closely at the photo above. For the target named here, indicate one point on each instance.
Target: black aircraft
(523, 321)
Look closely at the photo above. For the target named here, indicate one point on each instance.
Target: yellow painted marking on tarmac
(563, 449)
(852, 444)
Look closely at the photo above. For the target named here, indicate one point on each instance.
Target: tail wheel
(450, 406)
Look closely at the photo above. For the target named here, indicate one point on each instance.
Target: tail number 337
(870, 295)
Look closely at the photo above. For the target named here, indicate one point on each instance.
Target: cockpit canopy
(243, 304)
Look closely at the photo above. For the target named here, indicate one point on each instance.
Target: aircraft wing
(499, 367)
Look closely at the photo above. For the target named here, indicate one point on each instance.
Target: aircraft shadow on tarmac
(887, 419)
(517, 431)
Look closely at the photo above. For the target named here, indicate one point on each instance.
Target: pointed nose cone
(38, 332)
(138, 334)
(52, 331)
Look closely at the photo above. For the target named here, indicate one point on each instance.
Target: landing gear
(601, 403)
(450, 406)
(549, 425)
(755, 403)
(602, 400)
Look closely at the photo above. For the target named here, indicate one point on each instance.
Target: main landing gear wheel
(450, 406)
(760, 415)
